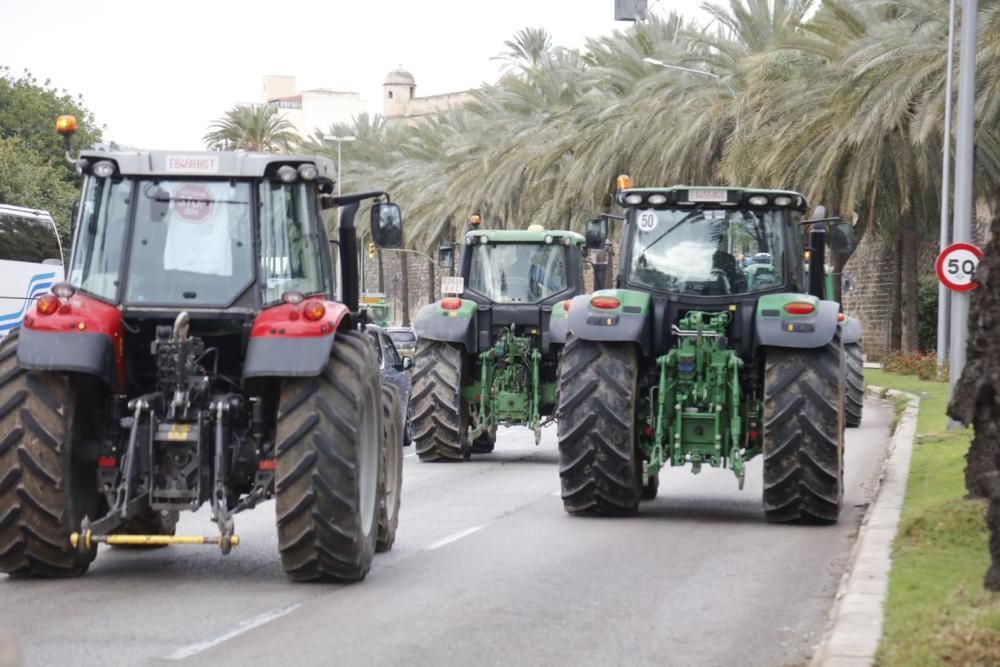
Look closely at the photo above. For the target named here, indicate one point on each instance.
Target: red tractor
(205, 348)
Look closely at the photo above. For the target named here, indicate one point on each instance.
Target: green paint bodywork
(698, 415)
(777, 302)
(559, 311)
(524, 236)
(628, 297)
(466, 310)
(509, 389)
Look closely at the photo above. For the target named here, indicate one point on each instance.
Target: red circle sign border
(939, 266)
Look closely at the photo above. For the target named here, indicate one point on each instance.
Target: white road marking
(455, 536)
(244, 626)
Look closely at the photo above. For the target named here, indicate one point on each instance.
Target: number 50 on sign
(956, 266)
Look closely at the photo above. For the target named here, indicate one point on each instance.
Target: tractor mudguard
(777, 327)
(558, 323)
(448, 325)
(83, 336)
(90, 353)
(625, 322)
(850, 330)
(281, 346)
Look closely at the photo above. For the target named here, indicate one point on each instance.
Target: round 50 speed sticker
(646, 220)
(956, 266)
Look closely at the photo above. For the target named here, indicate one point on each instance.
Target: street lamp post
(339, 140)
(660, 63)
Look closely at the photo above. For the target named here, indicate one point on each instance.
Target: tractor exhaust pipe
(181, 326)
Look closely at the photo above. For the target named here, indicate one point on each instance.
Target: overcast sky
(157, 73)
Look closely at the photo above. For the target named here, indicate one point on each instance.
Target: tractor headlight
(548, 239)
(657, 199)
(782, 201)
(483, 240)
(758, 200)
(308, 172)
(633, 199)
(103, 169)
(287, 174)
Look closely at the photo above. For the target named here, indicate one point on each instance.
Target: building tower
(399, 89)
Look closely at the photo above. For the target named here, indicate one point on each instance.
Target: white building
(311, 110)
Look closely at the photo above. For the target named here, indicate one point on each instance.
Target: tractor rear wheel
(597, 448)
(439, 422)
(329, 437)
(391, 474)
(45, 491)
(854, 398)
(803, 434)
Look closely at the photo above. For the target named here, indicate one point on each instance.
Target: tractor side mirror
(387, 225)
(841, 235)
(597, 232)
(407, 363)
(446, 256)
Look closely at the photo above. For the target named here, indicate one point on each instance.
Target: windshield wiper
(680, 222)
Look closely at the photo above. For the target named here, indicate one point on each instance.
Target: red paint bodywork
(83, 314)
(286, 321)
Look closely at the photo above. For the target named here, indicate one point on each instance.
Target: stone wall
(418, 269)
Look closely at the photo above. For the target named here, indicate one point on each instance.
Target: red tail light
(48, 304)
(605, 302)
(566, 305)
(106, 462)
(267, 465)
(841, 317)
(799, 308)
(313, 310)
(451, 303)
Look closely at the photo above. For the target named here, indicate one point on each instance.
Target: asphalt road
(487, 570)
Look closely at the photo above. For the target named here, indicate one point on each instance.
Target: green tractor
(379, 309)
(484, 354)
(714, 348)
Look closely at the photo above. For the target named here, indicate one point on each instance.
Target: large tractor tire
(854, 382)
(439, 422)
(391, 474)
(597, 449)
(329, 437)
(45, 492)
(803, 434)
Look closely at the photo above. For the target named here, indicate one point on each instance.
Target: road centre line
(243, 627)
(455, 536)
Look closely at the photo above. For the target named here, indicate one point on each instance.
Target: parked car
(394, 371)
(405, 340)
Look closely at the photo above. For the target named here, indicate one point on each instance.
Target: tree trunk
(975, 397)
(431, 280)
(405, 268)
(910, 284)
(381, 271)
(896, 315)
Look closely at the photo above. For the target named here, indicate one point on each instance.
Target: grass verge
(937, 612)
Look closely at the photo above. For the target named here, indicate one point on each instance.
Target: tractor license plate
(708, 195)
(452, 285)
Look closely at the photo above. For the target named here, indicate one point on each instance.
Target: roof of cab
(207, 164)
(523, 235)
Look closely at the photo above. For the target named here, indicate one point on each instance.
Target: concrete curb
(854, 628)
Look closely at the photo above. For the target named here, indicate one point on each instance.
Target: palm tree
(251, 127)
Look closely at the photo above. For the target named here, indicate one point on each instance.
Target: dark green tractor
(484, 354)
(713, 348)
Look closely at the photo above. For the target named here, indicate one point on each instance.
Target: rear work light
(451, 303)
(799, 308)
(605, 302)
(48, 304)
(313, 310)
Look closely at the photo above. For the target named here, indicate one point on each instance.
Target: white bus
(30, 261)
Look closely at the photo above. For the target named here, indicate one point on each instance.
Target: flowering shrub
(923, 365)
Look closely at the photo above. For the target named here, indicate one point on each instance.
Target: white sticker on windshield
(646, 220)
(452, 285)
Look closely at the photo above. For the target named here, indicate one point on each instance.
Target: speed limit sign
(956, 266)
